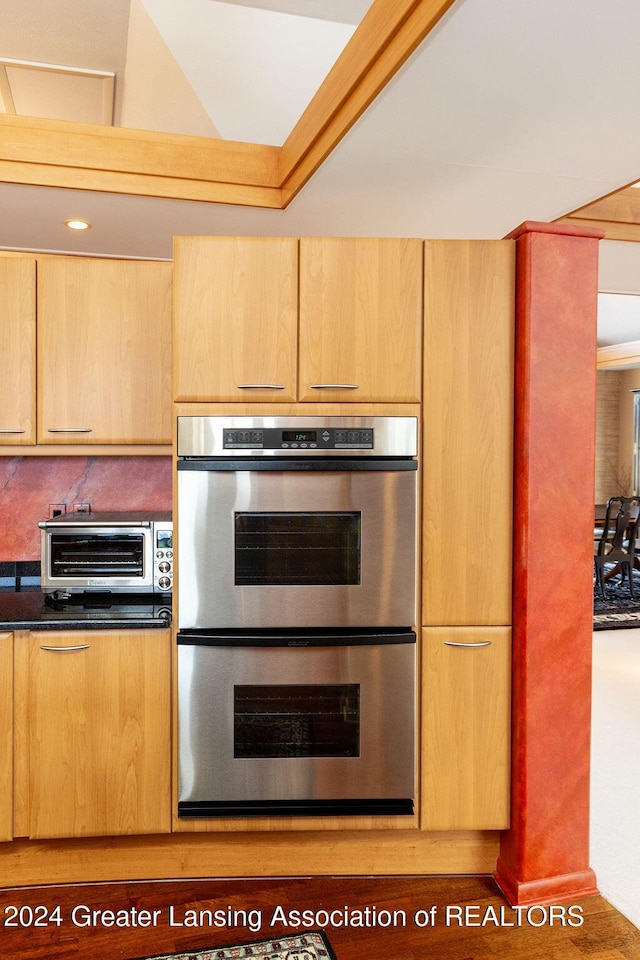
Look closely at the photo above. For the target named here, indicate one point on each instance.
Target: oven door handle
(304, 464)
(297, 639)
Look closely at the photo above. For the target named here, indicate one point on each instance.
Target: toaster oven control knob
(164, 567)
(164, 583)
(159, 554)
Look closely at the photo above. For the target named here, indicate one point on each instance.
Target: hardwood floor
(481, 926)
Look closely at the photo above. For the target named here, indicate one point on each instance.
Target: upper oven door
(296, 544)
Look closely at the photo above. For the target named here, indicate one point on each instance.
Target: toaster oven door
(109, 560)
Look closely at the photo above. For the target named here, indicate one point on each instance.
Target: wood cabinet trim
(6, 736)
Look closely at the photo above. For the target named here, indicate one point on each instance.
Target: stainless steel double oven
(297, 598)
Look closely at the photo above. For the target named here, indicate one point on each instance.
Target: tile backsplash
(28, 485)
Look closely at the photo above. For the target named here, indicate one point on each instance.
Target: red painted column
(544, 857)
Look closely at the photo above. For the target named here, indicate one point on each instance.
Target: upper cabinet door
(104, 351)
(467, 517)
(360, 320)
(235, 318)
(17, 350)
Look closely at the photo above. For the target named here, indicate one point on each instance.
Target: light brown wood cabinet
(235, 318)
(467, 449)
(6, 736)
(360, 320)
(104, 351)
(98, 721)
(269, 319)
(467, 532)
(17, 350)
(466, 711)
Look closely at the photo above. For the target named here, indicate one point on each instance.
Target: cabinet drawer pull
(457, 643)
(9, 430)
(69, 429)
(335, 386)
(261, 386)
(80, 646)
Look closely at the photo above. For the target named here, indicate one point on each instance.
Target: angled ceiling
(508, 111)
(240, 69)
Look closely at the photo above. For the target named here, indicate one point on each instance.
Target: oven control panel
(275, 438)
(305, 436)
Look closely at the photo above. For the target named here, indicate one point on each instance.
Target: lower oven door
(290, 723)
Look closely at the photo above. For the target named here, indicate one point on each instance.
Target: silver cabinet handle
(9, 430)
(457, 643)
(69, 429)
(80, 646)
(261, 386)
(335, 386)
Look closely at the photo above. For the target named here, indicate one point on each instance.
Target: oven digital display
(300, 436)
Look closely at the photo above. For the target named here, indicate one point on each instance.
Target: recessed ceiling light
(76, 224)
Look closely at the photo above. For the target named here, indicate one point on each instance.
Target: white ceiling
(342, 11)
(509, 111)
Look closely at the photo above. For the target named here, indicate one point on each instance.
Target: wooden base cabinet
(98, 733)
(17, 350)
(6, 736)
(466, 704)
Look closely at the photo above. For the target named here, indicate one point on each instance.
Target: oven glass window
(320, 720)
(103, 555)
(310, 549)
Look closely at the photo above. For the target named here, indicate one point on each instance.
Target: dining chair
(615, 541)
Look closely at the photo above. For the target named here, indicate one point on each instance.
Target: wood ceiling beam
(618, 214)
(389, 33)
(117, 160)
(618, 355)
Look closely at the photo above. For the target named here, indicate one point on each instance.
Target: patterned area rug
(620, 609)
(308, 946)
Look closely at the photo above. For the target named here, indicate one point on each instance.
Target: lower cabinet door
(6, 736)
(99, 733)
(466, 709)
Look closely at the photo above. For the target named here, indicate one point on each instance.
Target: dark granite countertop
(29, 609)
